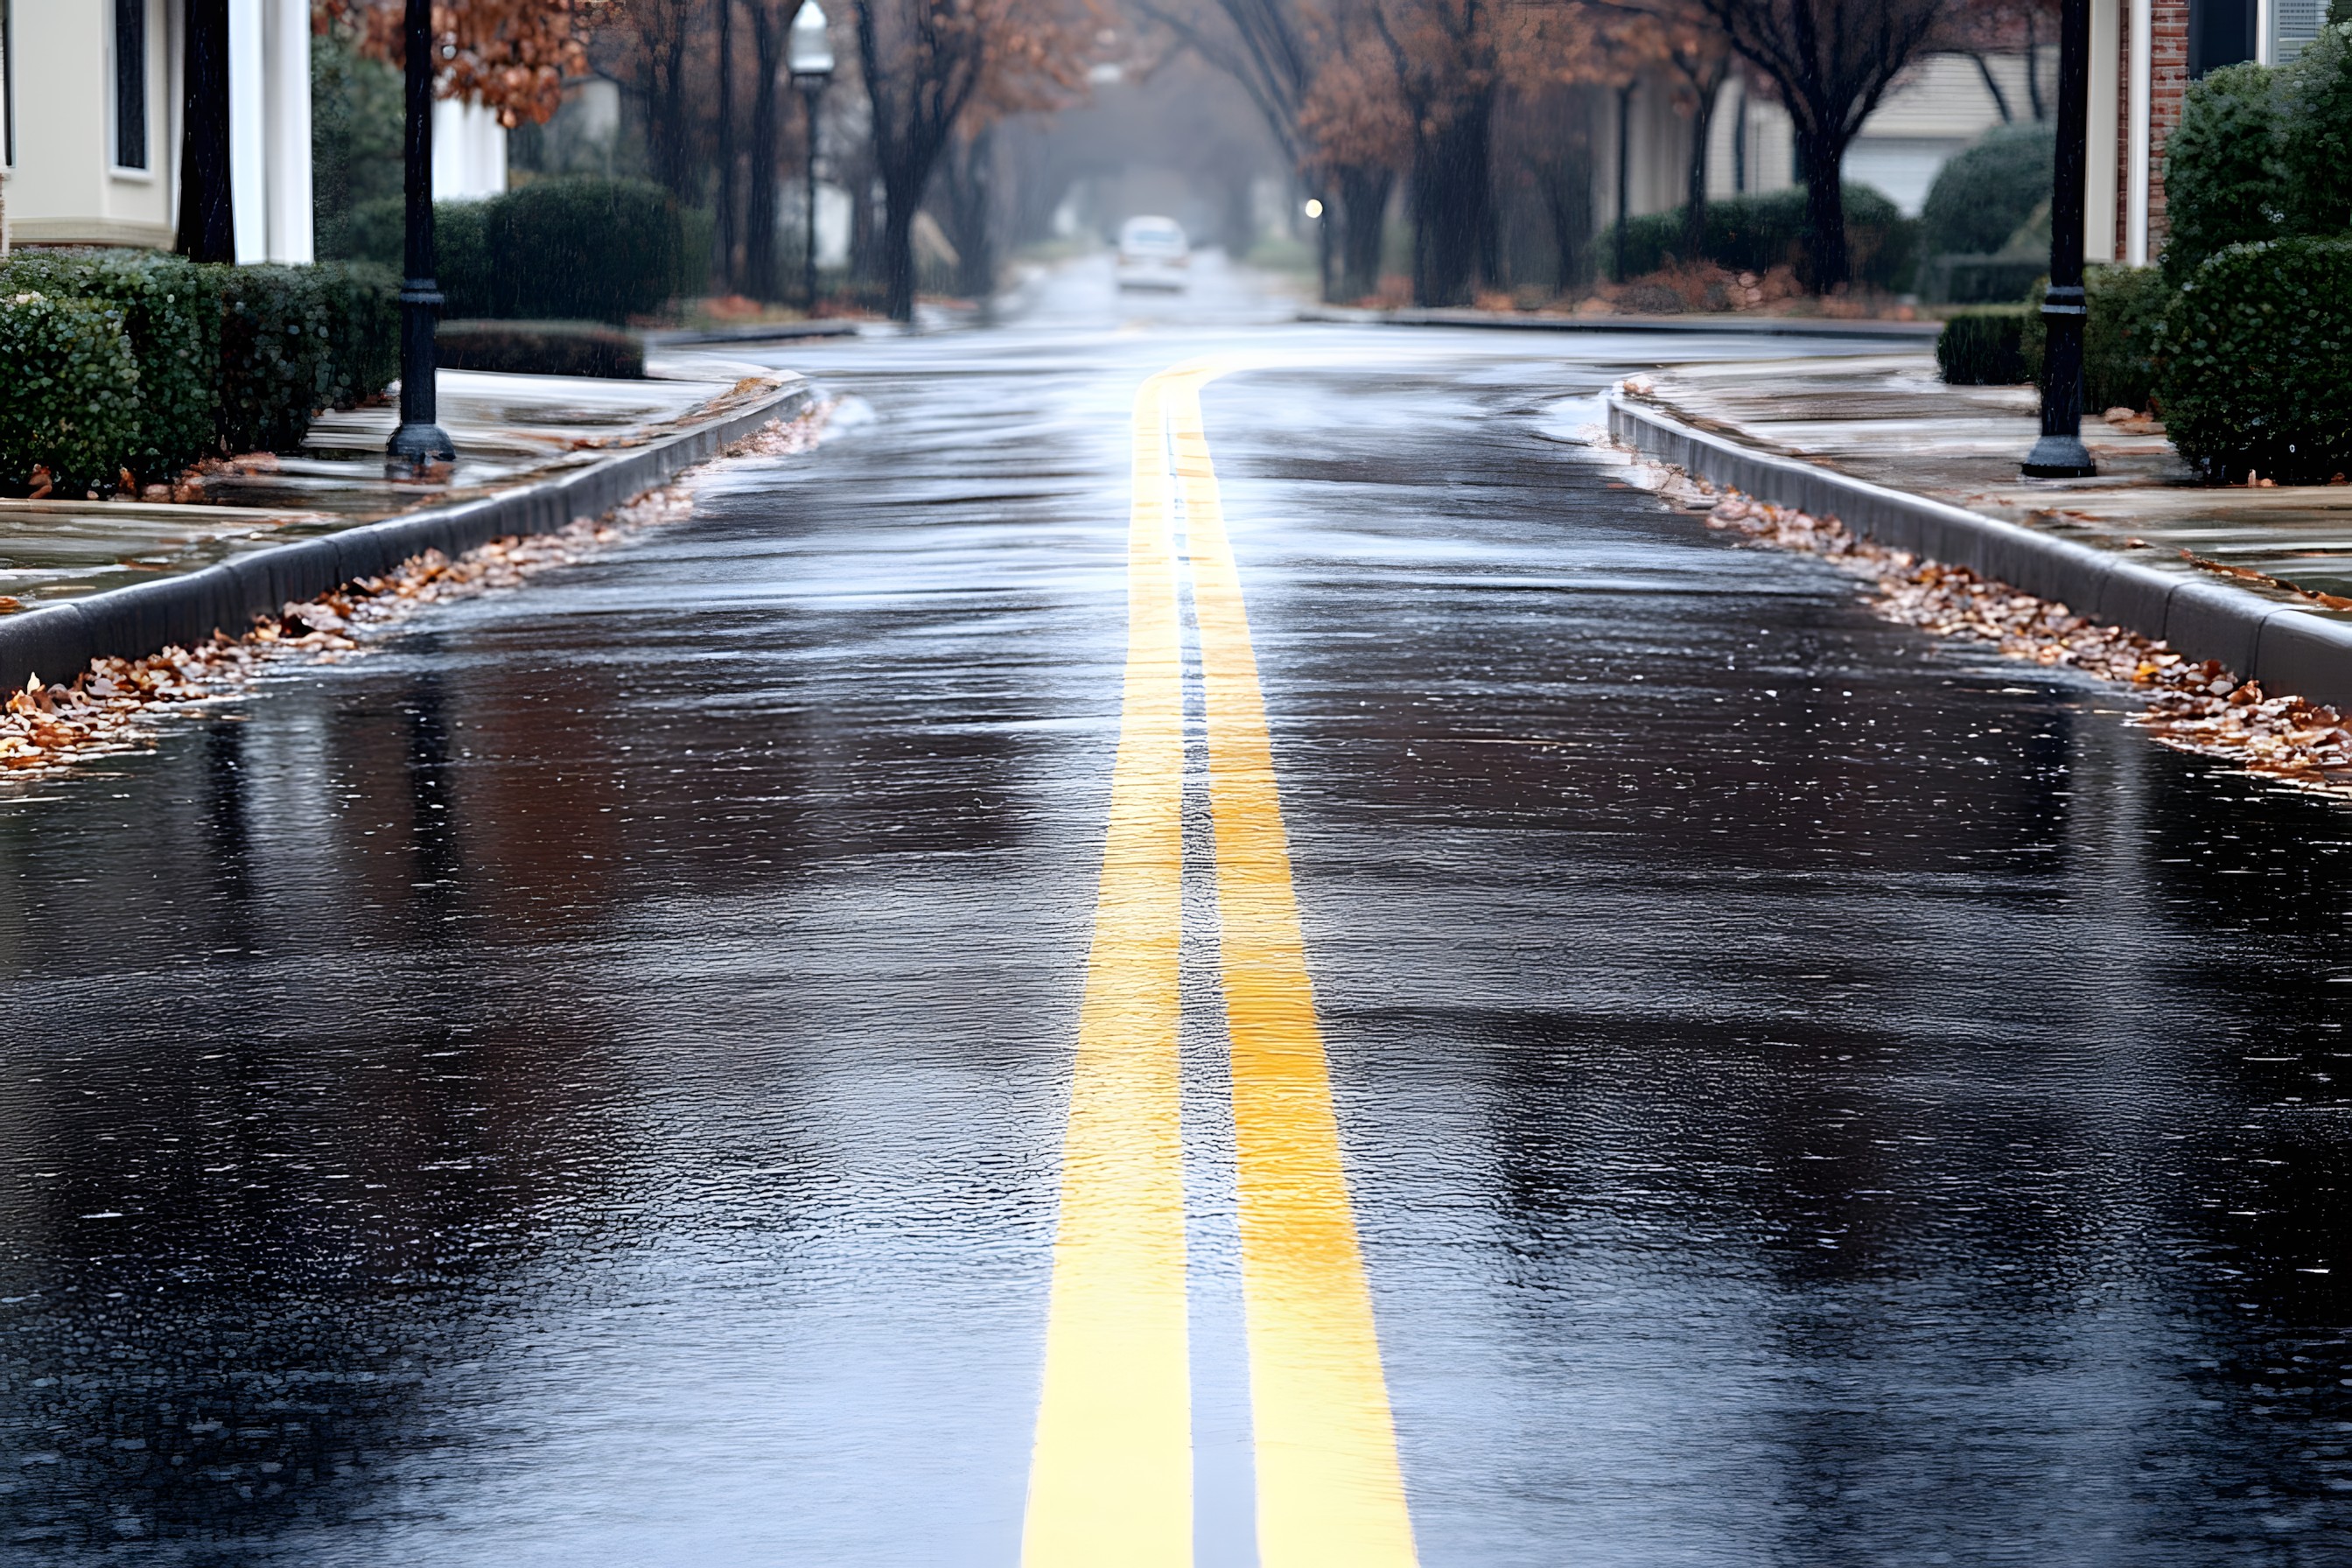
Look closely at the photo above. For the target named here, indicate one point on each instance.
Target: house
(90, 117)
(2143, 54)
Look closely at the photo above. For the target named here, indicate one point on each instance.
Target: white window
(131, 84)
(7, 84)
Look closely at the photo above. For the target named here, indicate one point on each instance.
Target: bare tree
(922, 61)
(1831, 62)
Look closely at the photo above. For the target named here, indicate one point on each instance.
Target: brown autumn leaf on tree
(511, 56)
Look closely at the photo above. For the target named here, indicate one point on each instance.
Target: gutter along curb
(1752, 326)
(185, 610)
(2285, 647)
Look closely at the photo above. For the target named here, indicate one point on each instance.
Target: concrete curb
(756, 332)
(59, 641)
(1754, 326)
(2288, 647)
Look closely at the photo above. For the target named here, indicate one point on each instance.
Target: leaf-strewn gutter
(2259, 634)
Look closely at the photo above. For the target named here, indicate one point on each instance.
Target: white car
(1152, 254)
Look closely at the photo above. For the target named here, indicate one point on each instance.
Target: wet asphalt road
(587, 1084)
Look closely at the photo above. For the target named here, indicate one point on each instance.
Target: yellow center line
(1111, 1481)
(1330, 1487)
(1111, 1478)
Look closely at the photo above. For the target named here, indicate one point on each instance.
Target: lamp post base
(2060, 458)
(415, 450)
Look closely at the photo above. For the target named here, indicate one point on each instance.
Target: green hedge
(1987, 347)
(231, 359)
(2253, 369)
(541, 348)
(170, 313)
(1987, 193)
(2261, 154)
(2221, 180)
(1756, 234)
(2120, 335)
(574, 248)
(69, 397)
(2314, 134)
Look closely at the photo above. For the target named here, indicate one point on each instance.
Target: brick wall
(2169, 35)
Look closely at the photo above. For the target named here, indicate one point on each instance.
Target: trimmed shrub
(170, 314)
(581, 248)
(2253, 364)
(1989, 191)
(569, 249)
(2119, 336)
(295, 339)
(70, 401)
(2221, 174)
(541, 348)
(1756, 234)
(1979, 279)
(2315, 136)
(234, 357)
(1987, 348)
(274, 366)
(362, 320)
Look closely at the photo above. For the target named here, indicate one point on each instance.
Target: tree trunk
(1567, 203)
(725, 226)
(1992, 86)
(1625, 176)
(901, 197)
(969, 193)
(1826, 263)
(1327, 262)
(1694, 241)
(2033, 69)
(671, 153)
(1363, 214)
(207, 220)
(760, 212)
(1454, 207)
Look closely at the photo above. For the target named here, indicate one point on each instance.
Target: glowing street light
(809, 52)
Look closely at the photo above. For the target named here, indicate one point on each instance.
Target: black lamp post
(810, 54)
(419, 445)
(2059, 454)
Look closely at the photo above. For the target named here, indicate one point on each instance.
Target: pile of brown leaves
(118, 705)
(2192, 706)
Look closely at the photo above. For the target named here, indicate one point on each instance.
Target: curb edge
(2284, 647)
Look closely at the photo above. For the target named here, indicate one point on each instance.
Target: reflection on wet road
(660, 1068)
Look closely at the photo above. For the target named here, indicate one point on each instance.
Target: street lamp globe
(809, 48)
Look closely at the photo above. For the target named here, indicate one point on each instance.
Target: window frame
(129, 59)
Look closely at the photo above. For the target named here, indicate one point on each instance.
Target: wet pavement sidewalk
(1887, 419)
(509, 430)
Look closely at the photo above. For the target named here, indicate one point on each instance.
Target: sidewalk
(1887, 419)
(509, 430)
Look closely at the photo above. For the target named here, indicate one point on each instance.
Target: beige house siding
(65, 186)
(68, 183)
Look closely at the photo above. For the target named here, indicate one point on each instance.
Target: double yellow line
(1112, 1479)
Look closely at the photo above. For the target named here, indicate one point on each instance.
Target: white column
(469, 151)
(286, 115)
(2100, 188)
(2143, 82)
(248, 155)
